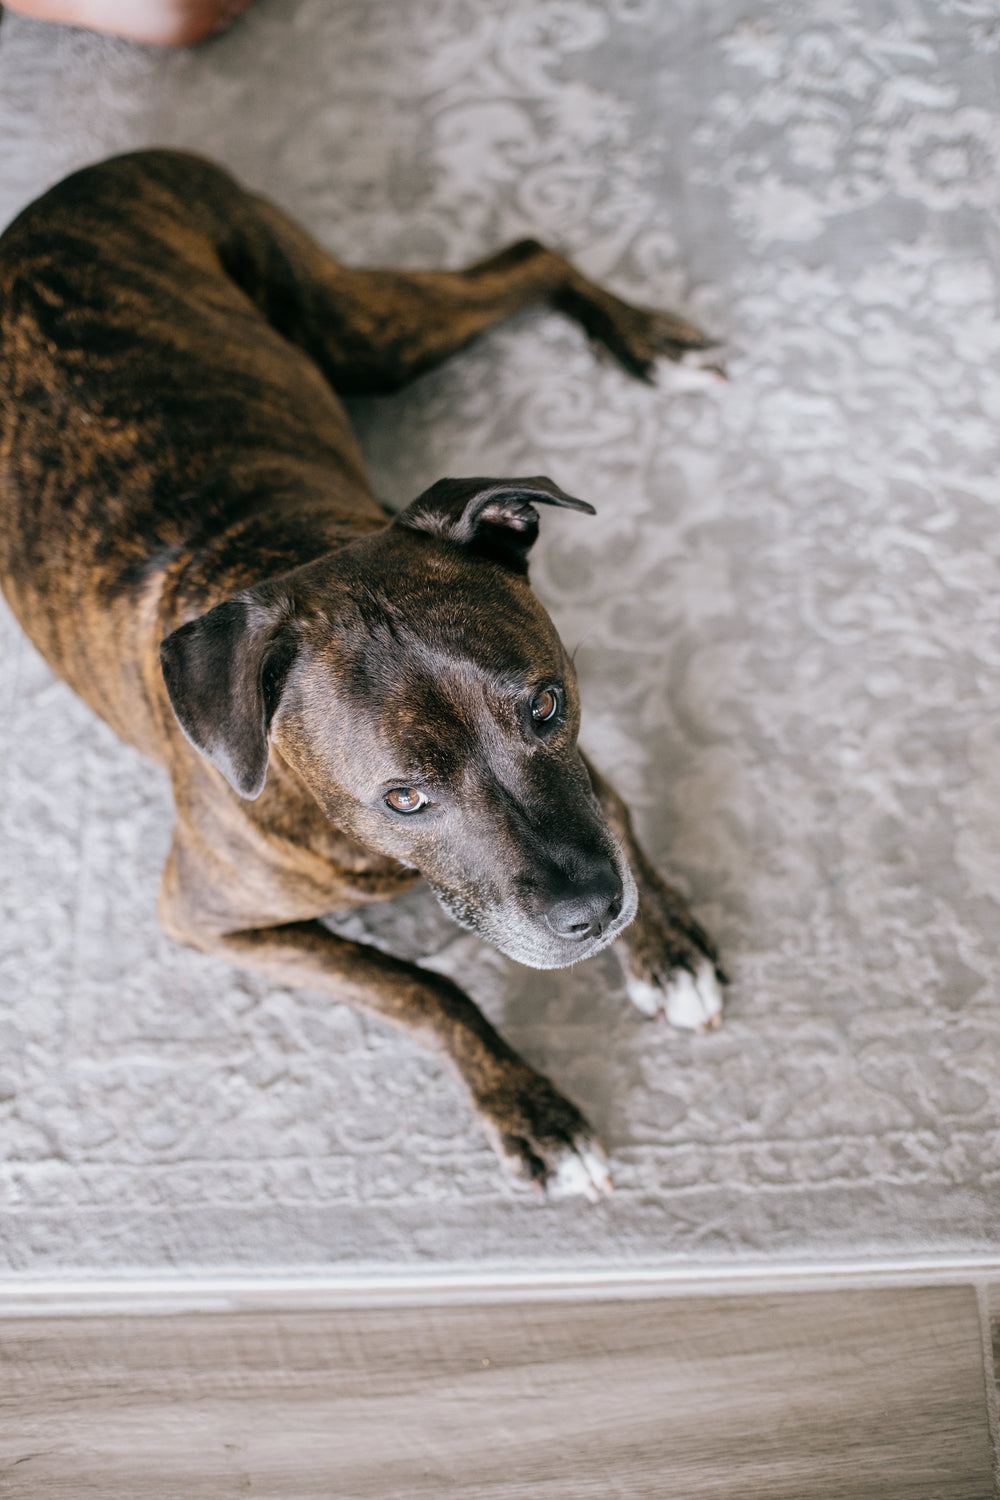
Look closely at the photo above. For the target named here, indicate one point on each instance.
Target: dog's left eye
(545, 706)
(405, 799)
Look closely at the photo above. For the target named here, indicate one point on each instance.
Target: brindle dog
(344, 702)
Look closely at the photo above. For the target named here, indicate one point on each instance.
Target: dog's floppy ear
(494, 517)
(225, 673)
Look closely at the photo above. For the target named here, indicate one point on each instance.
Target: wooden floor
(813, 1394)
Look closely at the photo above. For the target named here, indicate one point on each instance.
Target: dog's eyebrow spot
(431, 765)
(434, 730)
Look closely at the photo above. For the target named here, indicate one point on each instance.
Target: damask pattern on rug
(786, 616)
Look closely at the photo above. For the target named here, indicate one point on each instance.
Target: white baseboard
(375, 1286)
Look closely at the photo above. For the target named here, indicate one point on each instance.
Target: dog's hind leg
(370, 331)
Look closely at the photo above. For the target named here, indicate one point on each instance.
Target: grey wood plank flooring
(835, 1394)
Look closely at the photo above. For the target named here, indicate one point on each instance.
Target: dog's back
(161, 444)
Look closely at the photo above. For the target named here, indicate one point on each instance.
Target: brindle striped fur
(172, 350)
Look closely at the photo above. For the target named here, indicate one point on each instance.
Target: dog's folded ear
(225, 673)
(493, 517)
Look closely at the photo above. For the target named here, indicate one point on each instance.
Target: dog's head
(419, 690)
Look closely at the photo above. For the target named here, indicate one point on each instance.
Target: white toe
(694, 1002)
(696, 370)
(690, 1001)
(584, 1171)
(648, 998)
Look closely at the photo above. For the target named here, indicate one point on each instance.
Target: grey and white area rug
(787, 615)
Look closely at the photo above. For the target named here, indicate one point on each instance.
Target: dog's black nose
(589, 909)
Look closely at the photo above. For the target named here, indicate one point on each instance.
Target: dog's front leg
(539, 1136)
(671, 965)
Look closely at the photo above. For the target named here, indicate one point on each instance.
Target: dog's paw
(580, 1170)
(640, 338)
(691, 370)
(661, 347)
(558, 1167)
(575, 1168)
(672, 968)
(543, 1141)
(690, 1001)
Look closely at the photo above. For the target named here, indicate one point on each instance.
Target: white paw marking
(581, 1171)
(696, 370)
(645, 997)
(692, 1002)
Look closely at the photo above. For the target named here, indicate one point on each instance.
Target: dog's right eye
(405, 799)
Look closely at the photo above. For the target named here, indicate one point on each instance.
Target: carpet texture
(786, 615)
